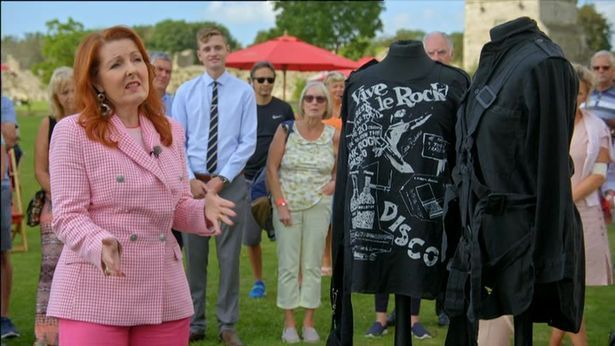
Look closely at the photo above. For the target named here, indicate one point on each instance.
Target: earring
(105, 110)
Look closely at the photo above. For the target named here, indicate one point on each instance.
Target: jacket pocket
(506, 242)
(498, 140)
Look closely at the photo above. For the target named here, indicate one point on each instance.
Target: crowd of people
(135, 178)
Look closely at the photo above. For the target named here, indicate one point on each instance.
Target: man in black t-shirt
(271, 112)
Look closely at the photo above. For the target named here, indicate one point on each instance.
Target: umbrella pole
(284, 86)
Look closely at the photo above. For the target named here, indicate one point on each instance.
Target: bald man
(439, 47)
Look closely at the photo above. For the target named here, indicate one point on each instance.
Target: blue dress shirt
(8, 116)
(8, 111)
(167, 100)
(236, 123)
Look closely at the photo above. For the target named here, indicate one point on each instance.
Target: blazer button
(119, 178)
(133, 237)
(162, 237)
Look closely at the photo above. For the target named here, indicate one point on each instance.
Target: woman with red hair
(118, 185)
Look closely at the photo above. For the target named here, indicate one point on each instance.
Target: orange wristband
(281, 202)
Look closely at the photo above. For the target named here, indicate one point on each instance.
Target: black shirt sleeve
(550, 91)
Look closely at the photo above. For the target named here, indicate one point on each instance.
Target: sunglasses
(598, 68)
(310, 98)
(262, 80)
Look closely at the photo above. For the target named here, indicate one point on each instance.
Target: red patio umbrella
(289, 53)
(362, 61)
(346, 72)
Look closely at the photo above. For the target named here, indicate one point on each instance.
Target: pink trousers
(77, 333)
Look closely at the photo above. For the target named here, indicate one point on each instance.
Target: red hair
(86, 69)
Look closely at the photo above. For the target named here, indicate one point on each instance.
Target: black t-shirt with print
(269, 117)
(396, 155)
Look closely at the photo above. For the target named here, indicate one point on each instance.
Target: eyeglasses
(598, 68)
(262, 80)
(310, 98)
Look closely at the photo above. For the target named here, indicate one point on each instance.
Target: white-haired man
(439, 47)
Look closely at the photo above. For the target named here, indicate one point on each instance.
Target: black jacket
(519, 233)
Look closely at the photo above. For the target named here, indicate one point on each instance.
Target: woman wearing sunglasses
(301, 176)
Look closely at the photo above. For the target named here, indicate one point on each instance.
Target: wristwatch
(281, 202)
(224, 179)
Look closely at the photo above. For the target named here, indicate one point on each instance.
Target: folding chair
(18, 227)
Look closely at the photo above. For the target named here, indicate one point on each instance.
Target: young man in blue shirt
(218, 112)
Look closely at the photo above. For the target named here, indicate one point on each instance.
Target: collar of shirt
(223, 79)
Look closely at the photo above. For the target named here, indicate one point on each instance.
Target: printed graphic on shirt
(397, 156)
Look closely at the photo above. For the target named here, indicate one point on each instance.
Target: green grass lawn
(260, 320)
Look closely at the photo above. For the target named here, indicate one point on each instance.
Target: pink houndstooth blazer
(131, 195)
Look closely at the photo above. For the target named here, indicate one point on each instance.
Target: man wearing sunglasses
(602, 100)
(271, 111)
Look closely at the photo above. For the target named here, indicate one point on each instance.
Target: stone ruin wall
(556, 18)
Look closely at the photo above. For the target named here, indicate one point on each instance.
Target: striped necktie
(212, 143)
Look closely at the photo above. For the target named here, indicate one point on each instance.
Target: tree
(596, 28)
(266, 35)
(357, 48)
(401, 34)
(330, 24)
(59, 46)
(146, 32)
(173, 36)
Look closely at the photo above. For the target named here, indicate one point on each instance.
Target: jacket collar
(513, 27)
(134, 150)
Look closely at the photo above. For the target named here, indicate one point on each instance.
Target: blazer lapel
(136, 151)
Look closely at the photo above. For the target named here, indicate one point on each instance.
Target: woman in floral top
(301, 176)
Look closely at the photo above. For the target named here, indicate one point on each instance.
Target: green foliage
(457, 39)
(59, 46)
(299, 85)
(402, 35)
(382, 43)
(357, 48)
(173, 36)
(330, 24)
(266, 35)
(596, 28)
(145, 32)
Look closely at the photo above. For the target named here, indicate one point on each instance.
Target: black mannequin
(398, 134)
(405, 60)
(522, 92)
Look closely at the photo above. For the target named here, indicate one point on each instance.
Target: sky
(243, 19)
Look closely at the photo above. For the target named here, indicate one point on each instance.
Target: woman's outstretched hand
(218, 209)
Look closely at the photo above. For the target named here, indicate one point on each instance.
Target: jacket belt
(467, 262)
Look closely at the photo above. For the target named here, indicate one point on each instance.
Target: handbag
(261, 207)
(35, 208)
(261, 204)
(606, 209)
